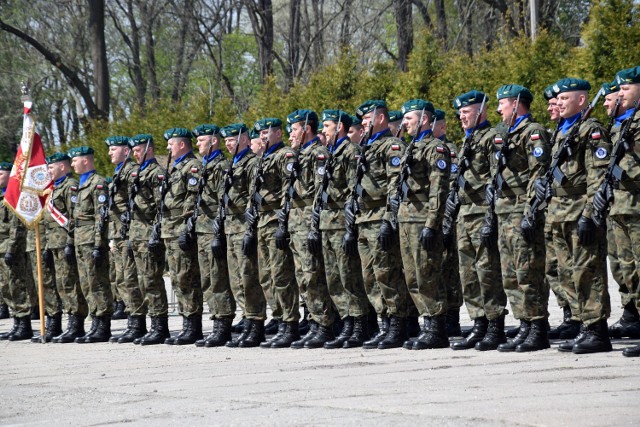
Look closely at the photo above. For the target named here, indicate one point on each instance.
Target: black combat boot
(221, 333)
(103, 331)
(521, 336)
(322, 335)
(494, 336)
(568, 329)
(345, 333)
(271, 328)
(436, 336)
(115, 338)
(475, 336)
(629, 323)
(192, 333)
(567, 346)
(35, 312)
(360, 333)
(119, 312)
(413, 326)
(235, 342)
(305, 323)
(631, 351)
(372, 319)
(53, 328)
(200, 343)
(282, 327)
(596, 341)
(158, 333)
(397, 334)
(291, 334)
(14, 328)
(453, 322)
(537, 339)
(154, 325)
(38, 338)
(170, 339)
(91, 331)
(24, 331)
(381, 335)
(255, 335)
(4, 311)
(138, 329)
(239, 327)
(75, 329)
(311, 330)
(408, 344)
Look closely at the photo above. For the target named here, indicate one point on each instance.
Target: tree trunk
(404, 25)
(99, 57)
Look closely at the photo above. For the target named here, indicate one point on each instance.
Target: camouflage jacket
(12, 230)
(211, 193)
(182, 181)
(626, 198)
(91, 197)
(146, 201)
(243, 173)
(64, 196)
(478, 175)
(121, 183)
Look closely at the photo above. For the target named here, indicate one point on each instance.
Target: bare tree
(404, 31)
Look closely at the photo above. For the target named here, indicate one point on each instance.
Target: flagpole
(43, 338)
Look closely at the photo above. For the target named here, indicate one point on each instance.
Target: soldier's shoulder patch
(160, 177)
(538, 151)
(441, 164)
(440, 149)
(74, 198)
(596, 135)
(134, 174)
(535, 136)
(99, 186)
(320, 157)
(194, 170)
(102, 198)
(395, 147)
(290, 166)
(193, 180)
(454, 168)
(74, 188)
(601, 152)
(497, 139)
(321, 170)
(453, 154)
(290, 154)
(395, 161)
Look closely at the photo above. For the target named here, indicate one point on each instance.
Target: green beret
(512, 91)
(356, 121)
(302, 116)
(288, 128)
(439, 115)
(57, 157)
(369, 106)
(253, 134)
(108, 179)
(337, 116)
(117, 141)
(6, 166)
(265, 124)
(206, 130)
(610, 87)
(140, 139)
(417, 105)
(630, 75)
(233, 130)
(570, 85)
(320, 127)
(178, 133)
(470, 98)
(80, 151)
(550, 93)
(395, 115)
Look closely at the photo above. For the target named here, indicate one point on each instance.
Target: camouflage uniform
(309, 267)
(183, 265)
(52, 303)
(13, 240)
(343, 273)
(91, 197)
(450, 267)
(243, 271)
(479, 266)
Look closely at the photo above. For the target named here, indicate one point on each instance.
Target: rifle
(488, 231)
(219, 243)
(255, 201)
(113, 190)
(405, 172)
(459, 181)
(155, 241)
(125, 218)
(613, 115)
(190, 229)
(614, 173)
(554, 173)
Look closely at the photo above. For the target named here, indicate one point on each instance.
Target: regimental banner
(29, 183)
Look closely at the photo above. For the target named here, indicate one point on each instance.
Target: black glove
(218, 226)
(385, 236)
(489, 195)
(586, 231)
(349, 213)
(250, 217)
(528, 228)
(130, 249)
(394, 203)
(248, 244)
(541, 190)
(186, 241)
(219, 246)
(9, 259)
(350, 244)
(489, 232)
(314, 242)
(97, 256)
(315, 216)
(47, 258)
(452, 205)
(282, 238)
(70, 254)
(429, 239)
(600, 201)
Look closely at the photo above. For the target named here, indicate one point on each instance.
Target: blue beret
(6, 166)
(233, 130)
(80, 151)
(570, 85)
(140, 139)
(470, 98)
(369, 106)
(512, 91)
(177, 133)
(417, 105)
(302, 116)
(206, 130)
(265, 124)
(628, 76)
(117, 141)
(57, 157)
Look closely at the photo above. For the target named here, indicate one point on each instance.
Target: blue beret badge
(538, 151)
(442, 165)
(601, 153)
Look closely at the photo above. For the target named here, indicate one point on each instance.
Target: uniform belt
(569, 191)
(512, 192)
(372, 204)
(209, 210)
(335, 205)
(172, 213)
(301, 203)
(631, 186)
(418, 197)
(267, 208)
(477, 198)
(83, 222)
(141, 217)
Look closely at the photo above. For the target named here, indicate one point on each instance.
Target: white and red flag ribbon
(29, 183)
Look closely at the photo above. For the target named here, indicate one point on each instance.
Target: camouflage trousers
(311, 278)
(626, 232)
(523, 268)
(583, 270)
(244, 279)
(382, 272)
(52, 303)
(422, 271)
(479, 271)
(68, 285)
(150, 267)
(624, 272)
(277, 276)
(15, 290)
(185, 277)
(451, 275)
(127, 278)
(113, 279)
(214, 276)
(344, 276)
(552, 280)
(94, 281)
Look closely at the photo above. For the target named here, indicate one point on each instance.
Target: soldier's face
(552, 108)
(177, 147)
(505, 108)
(79, 164)
(138, 152)
(231, 142)
(118, 154)
(297, 132)
(203, 143)
(630, 94)
(329, 130)
(610, 102)
(571, 103)
(271, 136)
(356, 133)
(258, 146)
(56, 170)
(412, 122)
(4, 178)
(323, 139)
(468, 116)
(440, 128)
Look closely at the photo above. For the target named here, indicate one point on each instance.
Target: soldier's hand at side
(70, 254)
(528, 229)
(385, 236)
(47, 258)
(248, 244)
(586, 231)
(350, 244)
(282, 238)
(314, 242)
(9, 259)
(429, 239)
(97, 255)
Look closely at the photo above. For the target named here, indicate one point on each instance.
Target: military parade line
(370, 221)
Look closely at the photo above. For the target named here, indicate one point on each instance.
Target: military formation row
(363, 220)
